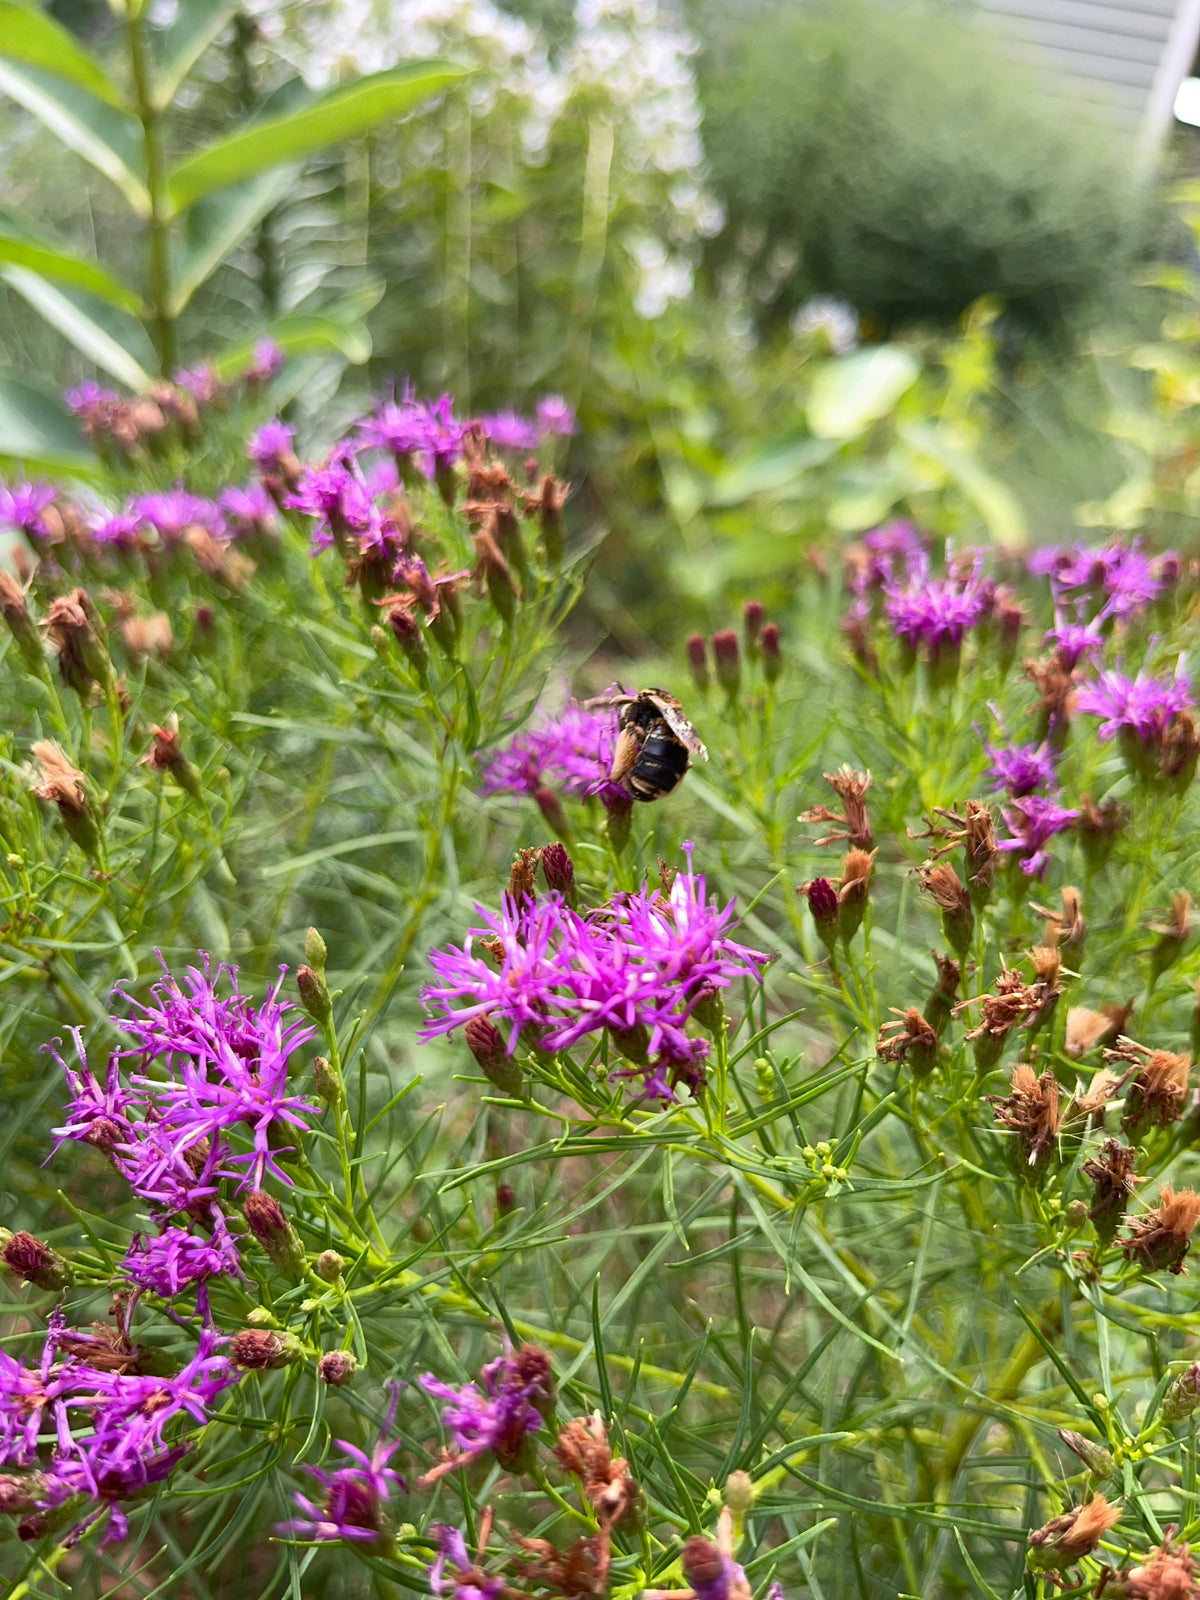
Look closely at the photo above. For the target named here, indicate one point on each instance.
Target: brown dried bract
(1158, 1088)
(1065, 928)
(945, 888)
(1030, 1111)
(1086, 1028)
(910, 1034)
(1077, 1533)
(57, 779)
(1160, 1239)
(1056, 688)
(1168, 1574)
(851, 825)
(608, 1485)
(581, 1569)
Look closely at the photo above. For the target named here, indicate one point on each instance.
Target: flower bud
(21, 625)
(327, 1081)
(558, 870)
(166, 755)
(1183, 1395)
(315, 951)
(1174, 935)
(264, 1350)
(854, 891)
(329, 1266)
(551, 808)
(487, 1046)
(823, 903)
(532, 1368)
(1097, 1458)
(752, 625)
(728, 659)
(27, 1258)
(697, 655)
(772, 655)
(269, 1224)
(708, 1009)
(506, 1199)
(704, 1567)
(314, 996)
(619, 820)
(1077, 1214)
(739, 1493)
(410, 636)
(336, 1367)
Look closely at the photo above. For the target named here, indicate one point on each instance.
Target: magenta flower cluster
(78, 1429)
(492, 1417)
(356, 1492)
(199, 1094)
(638, 967)
(934, 612)
(572, 753)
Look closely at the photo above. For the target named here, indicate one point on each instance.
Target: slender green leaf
(995, 502)
(340, 114)
(197, 23)
(31, 36)
(217, 225)
(854, 391)
(35, 427)
(107, 140)
(299, 335)
(79, 326)
(73, 270)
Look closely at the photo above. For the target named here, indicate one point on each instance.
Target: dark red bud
(558, 869)
(336, 1367)
(697, 654)
(772, 656)
(728, 659)
(752, 623)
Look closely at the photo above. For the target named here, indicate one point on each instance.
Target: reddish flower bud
(752, 623)
(551, 808)
(558, 870)
(327, 1081)
(697, 654)
(329, 1265)
(487, 1046)
(263, 1350)
(823, 903)
(34, 1262)
(506, 1199)
(314, 996)
(269, 1224)
(728, 659)
(772, 655)
(336, 1367)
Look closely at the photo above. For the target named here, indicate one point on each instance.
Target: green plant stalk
(158, 261)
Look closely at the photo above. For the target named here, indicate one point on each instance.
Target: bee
(655, 742)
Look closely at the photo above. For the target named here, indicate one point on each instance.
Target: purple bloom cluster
(509, 430)
(21, 508)
(172, 512)
(424, 431)
(1032, 821)
(174, 1260)
(495, 1416)
(892, 549)
(106, 1432)
(464, 1578)
(936, 612)
(271, 443)
(572, 752)
(638, 967)
(1022, 768)
(356, 1494)
(1143, 707)
(175, 1137)
(1124, 576)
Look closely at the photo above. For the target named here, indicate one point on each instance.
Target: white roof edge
(1173, 68)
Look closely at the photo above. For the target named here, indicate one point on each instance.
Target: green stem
(156, 227)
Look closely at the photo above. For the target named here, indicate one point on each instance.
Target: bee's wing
(624, 755)
(612, 697)
(682, 729)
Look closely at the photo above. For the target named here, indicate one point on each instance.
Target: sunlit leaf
(340, 114)
(37, 429)
(854, 391)
(34, 38)
(1002, 513)
(101, 135)
(303, 334)
(178, 47)
(69, 269)
(218, 223)
(81, 327)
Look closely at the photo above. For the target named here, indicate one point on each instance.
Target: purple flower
(172, 512)
(250, 511)
(266, 362)
(890, 546)
(201, 382)
(639, 967)
(573, 752)
(1075, 642)
(509, 430)
(228, 1061)
(465, 1579)
(1128, 578)
(556, 415)
(96, 1116)
(1033, 821)
(170, 1262)
(936, 612)
(122, 529)
(356, 1494)
(1021, 768)
(337, 497)
(89, 401)
(21, 508)
(425, 430)
(493, 1419)
(271, 444)
(1141, 706)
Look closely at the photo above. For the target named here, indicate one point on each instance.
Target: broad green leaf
(774, 469)
(302, 334)
(1002, 512)
(854, 391)
(81, 328)
(31, 36)
(217, 224)
(109, 141)
(177, 48)
(36, 428)
(73, 270)
(340, 114)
